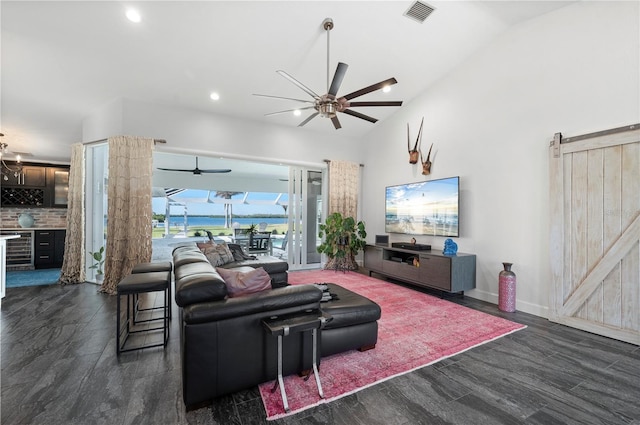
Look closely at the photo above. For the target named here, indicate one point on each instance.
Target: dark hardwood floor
(59, 366)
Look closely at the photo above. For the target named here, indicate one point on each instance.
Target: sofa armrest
(265, 301)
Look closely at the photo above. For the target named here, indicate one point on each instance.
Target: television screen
(423, 208)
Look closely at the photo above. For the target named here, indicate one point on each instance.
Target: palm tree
(228, 208)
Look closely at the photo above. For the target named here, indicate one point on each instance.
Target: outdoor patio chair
(239, 233)
(279, 246)
(260, 243)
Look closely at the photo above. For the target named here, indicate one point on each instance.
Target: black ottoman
(354, 325)
(158, 266)
(131, 286)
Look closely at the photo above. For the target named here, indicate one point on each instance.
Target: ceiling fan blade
(221, 170)
(359, 115)
(309, 118)
(371, 88)
(175, 169)
(341, 70)
(299, 84)
(288, 110)
(377, 103)
(285, 98)
(197, 171)
(336, 122)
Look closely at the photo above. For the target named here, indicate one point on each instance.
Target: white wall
(191, 131)
(199, 132)
(573, 71)
(104, 122)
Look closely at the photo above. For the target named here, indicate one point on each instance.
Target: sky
(203, 208)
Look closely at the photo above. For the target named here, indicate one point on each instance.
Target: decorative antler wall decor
(426, 165)
(413, 153)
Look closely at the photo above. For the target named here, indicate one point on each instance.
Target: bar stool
(131, 286)
(159, 266)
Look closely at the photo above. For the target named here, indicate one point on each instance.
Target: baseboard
(525, 307)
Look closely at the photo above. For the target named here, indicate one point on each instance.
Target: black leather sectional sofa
(224, 347)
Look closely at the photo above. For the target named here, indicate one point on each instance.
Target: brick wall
(50, 218)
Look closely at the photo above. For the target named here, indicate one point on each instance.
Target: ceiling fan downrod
(327, 24)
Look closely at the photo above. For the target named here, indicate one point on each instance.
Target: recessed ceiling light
(297, 112)
(214, 96)
(133, 16)
(386, 89)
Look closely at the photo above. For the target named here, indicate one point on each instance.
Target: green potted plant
(343, 238)
(98, 257)
(251, 230)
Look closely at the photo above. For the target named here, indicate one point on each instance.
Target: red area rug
(415, 330)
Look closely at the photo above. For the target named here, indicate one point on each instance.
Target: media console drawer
(436, 271)
(404, 270)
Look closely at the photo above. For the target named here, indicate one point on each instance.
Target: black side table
(282, 326)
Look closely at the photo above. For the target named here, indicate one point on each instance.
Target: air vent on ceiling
(419, 11)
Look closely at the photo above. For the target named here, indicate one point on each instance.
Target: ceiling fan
(328, 105)
(197, 171)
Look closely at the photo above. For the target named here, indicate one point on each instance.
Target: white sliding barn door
(595, 230)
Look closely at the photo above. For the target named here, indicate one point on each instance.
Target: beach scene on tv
(423, 208)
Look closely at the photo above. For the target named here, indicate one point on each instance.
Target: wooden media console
(429, 269)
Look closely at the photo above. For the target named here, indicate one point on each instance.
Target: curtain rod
(328, 161)
(155, 141)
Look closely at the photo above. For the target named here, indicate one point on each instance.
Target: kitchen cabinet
(59, 186)
(30, 176)
(48, 248)
(36, 186)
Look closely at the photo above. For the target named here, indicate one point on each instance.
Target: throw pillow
(218, 254)
(238, 254)
(243, 283)
(203, 245)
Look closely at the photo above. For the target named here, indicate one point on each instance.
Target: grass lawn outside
(158, 232)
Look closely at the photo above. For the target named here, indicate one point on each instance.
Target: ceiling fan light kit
(328, 105)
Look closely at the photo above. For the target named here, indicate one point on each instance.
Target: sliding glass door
(305, 215)
(251, 193)
(96, 183)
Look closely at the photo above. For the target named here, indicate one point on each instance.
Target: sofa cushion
(270, 264)
(198, 282)
(184, 247)
(185, 257)
(218, 254)
(245, 280)
(201, 267)
(287, 300)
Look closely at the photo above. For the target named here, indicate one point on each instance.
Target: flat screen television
(423, 208)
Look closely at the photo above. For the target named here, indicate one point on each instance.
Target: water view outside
(195, 221)
(194, 210)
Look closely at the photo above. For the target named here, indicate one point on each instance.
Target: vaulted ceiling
(63, 60)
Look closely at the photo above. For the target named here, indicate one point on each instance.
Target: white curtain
(129, 209)
(344, 179)
(73, 264)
